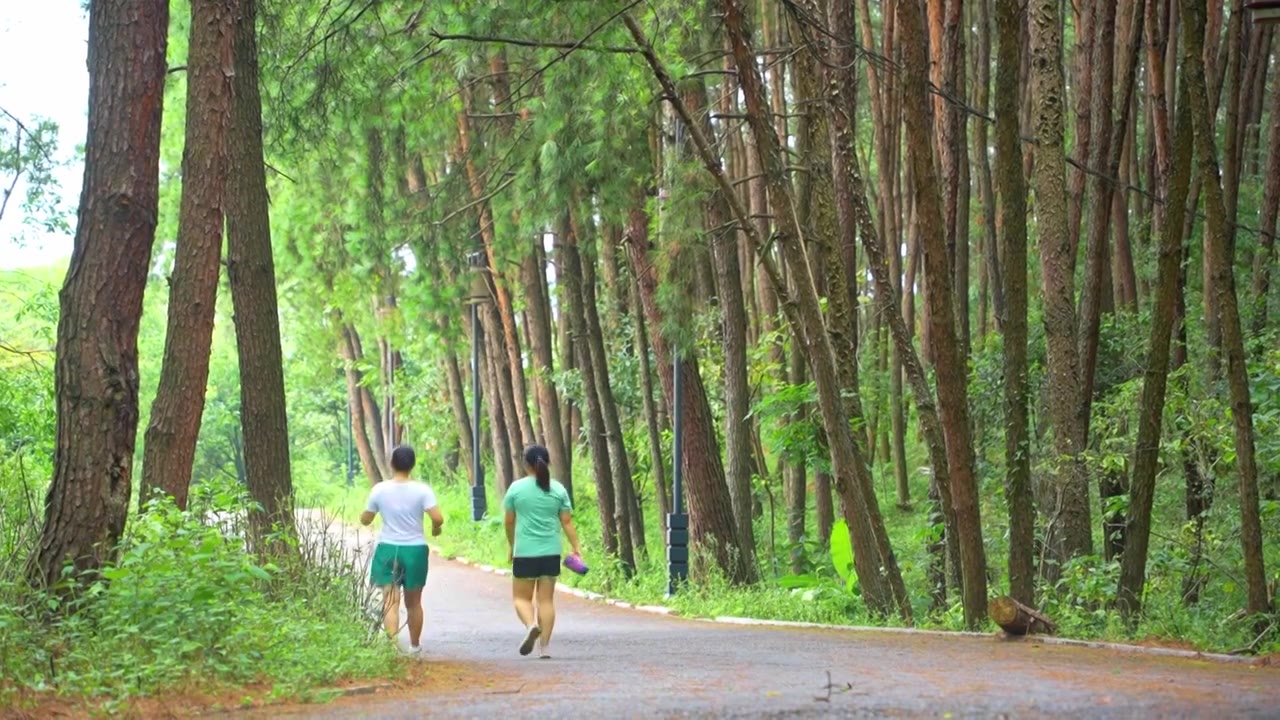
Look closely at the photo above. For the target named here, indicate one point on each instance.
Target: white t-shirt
(402, 503)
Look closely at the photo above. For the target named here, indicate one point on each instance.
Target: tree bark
(876, 565)
(656, 461)
(251, 272)
(1017, 618)
(355, 400)
(616, 536)
(1262, 260)
(539, 324)
(96, 370)
(1176, 178)
(1066, 500)
(990, 254)
(950, 366)
(170, 443)
(711, 524)
(1224, 286)
(740, 465)
(458, 402)
(626, 508)
(1012, 189)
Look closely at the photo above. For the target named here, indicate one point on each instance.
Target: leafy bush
(185, 602)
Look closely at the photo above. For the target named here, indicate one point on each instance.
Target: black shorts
(532, 568)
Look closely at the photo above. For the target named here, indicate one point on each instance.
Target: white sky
(43, 46)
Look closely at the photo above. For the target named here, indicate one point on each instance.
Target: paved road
(619, 663)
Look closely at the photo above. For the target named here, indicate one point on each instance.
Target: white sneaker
(412, 650)
(530, 638)
(544, 652)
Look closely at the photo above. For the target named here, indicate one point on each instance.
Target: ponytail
(543, 475)
(539, 461)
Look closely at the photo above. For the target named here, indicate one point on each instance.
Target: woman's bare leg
(546, 610)
(522, 594)
(413, 606)
(391, 609)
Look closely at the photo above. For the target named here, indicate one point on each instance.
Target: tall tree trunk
(1066, 499)
(1083, 84)
(990, 253)
(369, 404)
(616, 536)
(355, 401)
(627, 516)
(539, 325)
(170, 444)
(950, 366)
(505, 460)
(711, 524)
(740, 465)
(96, 370)
(1262, 260)
(1176, 178)
(874, 559)
(1108, 148)
(458, 402)
(1012, 189)
(251, 273)
(1224, 285)
(658, 465)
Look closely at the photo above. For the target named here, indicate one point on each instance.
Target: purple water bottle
(573, 561)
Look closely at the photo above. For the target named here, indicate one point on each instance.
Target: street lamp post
(479, 294)
(677, 520)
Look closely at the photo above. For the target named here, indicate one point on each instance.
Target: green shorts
(402, 565)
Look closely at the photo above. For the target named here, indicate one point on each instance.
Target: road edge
(1124, 648)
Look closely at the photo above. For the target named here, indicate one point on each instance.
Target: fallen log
(1018, 619)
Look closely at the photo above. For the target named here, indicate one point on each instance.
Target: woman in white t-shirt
(400, 558)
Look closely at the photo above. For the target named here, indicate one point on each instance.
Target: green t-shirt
(537, 516)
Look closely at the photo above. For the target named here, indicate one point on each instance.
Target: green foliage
(183, 602)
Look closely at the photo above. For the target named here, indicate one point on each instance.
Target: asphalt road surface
(621, 663)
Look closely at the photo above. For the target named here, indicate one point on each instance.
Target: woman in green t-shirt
(537, 508)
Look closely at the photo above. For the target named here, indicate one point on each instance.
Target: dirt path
(617, 663)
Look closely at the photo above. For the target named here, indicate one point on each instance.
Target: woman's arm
(366, 517)
(437, 520)
(566, 521)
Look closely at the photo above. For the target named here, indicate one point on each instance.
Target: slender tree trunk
(504, 450)
(658, 465)
(739, 467)
(1083, 83)
(170, 444)
(1011, 186)
(616, 536)
(950, 367)
(627, 516)
(251, 275)
(1066, 499)
(874, 559)
(539, 324)
(458, 402)
(711, 524)
(1224, 286)
(1176, 177)
(360, 435)
(1263, 259)
(991, 255)
(96, 370)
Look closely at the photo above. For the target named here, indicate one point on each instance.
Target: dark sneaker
(530, 638)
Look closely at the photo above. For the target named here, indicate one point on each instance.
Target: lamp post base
(677, 551)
